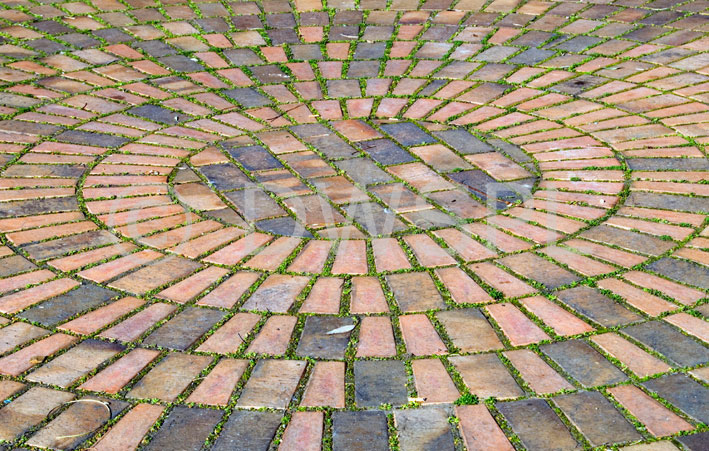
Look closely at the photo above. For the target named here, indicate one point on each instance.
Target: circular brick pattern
(264, 224)
(357, 179)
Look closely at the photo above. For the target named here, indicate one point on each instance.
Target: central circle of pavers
(356, 178)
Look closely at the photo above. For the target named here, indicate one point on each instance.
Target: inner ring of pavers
(356, 178)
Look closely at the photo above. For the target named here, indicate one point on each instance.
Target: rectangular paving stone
(116, 375)
(536, 268)
(380, 382)
(670, 342)
(272, 384)
(75, 363)
(254, 204)
(131, 428)
(415, 292)
(68, 430)
(37, 206)
(426, 428)
(596, 306)
(353, 431)
(28, 410)
(537, 426)
(247, 430)
(225, 176)
(375, 219)
(14, 264)
(627, 239)
(247, 97)
(684, 393)
(186, 328)
(364, 171)
(682, 271)
(469, 330)
(596, 418)
(486, 376)
(315, 341)
(169, 377)
(58, 309)
(156, 274)
(185, 428)
(254, 158)
(385, 151)
(69, 244)
(583, 363)
(91, 138)
(277, 293)
(407, 134)
(17, 334)
(324, 140)
(668, 202)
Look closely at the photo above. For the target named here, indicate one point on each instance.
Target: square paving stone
(407, 134)
(254, 158)
(628, 239)
(59, 309)
(669, 342)
(583, 363)
(184, 329)
(185, 429)
(375, 219)
(363, 69)
(683, 392)
(536, 268)
(157, 113)
(426, 428)
(596, 418)
(315, 341)
(247, 97)
(247, 430)
(358, 431)
(537, 425)
(225, 176)
(594, 305)
(369, 51)
(683, 271)
(385, 151)
(343, 88)
(668, 202)
(415, 292)
(307, 52)
(380, 382)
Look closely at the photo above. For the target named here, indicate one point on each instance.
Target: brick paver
(274, 224)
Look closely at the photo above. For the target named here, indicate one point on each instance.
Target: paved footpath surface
(360, 225)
